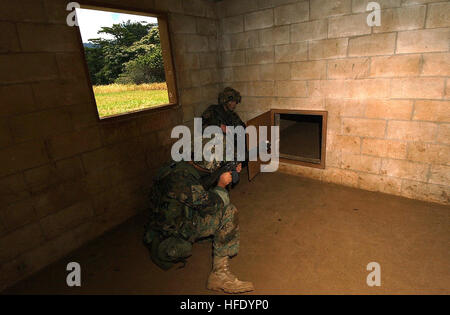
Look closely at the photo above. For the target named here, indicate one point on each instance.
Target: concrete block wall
(386, 88)
(65, 176)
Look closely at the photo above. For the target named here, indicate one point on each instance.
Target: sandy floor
(298, 236)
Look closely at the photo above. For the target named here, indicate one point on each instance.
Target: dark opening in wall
(302, 136)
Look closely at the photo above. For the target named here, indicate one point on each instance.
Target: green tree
(148, 65)
(115, 52)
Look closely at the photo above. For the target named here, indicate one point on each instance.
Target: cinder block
(429, 153)
(16, 99)
(384, 148)
(350, 107)
(66, 219)
(260, 55)
(385, 184)
(417, 88)
(246, 73)
(196, 43)
(275, 36)
(348, 25)
(372, 45)
(298, 103)
(18, 214)
(72, 143)
(235, 7)
(30, 126)
(19, 241)
(13, 188)
(404, 169)
(423, 41)
(349, 144)
(401, 19)
(48, 94)
(202, 77)
(370, 88)
(233, 58)
(22, 156)
(244, 40)
(447, 90)
(432, 110)
(438, 15)
(309, 70)
(291, 53)
(175, 6)
(116, 131)
(47, 37)
(292, 13)
(71, 67)
(325, 8)
(389, 109)
(18, 68)
(352, 68)
(180, 23)
(187, 61)
(363, 127)
(328, 48)
(60, 196)
(22, 10)
(363, 163)
(424, 191)
(440, 174)
(227, 74)
(411, 130)
(437, 64)
(9, 41)
(275, 71)
(196, 7)
(395, 66)
(443, 134)
(5, 133)
(234, 24)
(259, 19)
(291, 88)
(207, 26)
(313, 30)
(361, 5)
(261, 88)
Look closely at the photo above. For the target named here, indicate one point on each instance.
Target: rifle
(211, 180)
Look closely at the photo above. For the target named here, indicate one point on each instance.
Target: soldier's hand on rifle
(224, 179)
(239, 168)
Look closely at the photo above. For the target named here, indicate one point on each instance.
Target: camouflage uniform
(219, 114)
(184, 212)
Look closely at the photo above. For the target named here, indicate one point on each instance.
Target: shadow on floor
(298, 236)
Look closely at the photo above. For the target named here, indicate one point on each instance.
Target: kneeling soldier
(184, 210)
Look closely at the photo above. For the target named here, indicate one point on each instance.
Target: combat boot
(221, 278)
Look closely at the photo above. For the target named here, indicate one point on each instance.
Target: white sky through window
(90, 21)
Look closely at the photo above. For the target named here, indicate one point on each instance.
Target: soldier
(184, 211)
(224, 114)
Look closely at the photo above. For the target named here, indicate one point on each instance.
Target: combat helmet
(229, 94)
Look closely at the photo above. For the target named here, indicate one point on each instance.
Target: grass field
(116, 99)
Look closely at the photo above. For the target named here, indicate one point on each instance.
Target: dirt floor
(298, 236)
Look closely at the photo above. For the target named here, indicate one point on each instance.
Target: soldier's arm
(191, 193)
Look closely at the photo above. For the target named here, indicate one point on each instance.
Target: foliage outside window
(125, 64)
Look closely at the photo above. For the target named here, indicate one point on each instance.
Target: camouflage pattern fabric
(224, 226)
(184, 211)
(216, 115)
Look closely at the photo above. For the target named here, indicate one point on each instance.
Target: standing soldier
(224, 114)
(184, 210)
